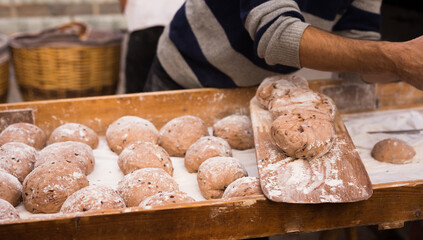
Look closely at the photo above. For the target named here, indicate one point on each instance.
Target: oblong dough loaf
(393, 150)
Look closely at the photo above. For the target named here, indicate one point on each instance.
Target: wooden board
(336, 177)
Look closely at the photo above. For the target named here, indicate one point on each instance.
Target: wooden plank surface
(218, 219)
(338, 176)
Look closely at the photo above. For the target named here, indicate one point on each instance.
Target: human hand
(407, 58)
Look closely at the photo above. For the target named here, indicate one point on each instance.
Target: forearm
(324, 51)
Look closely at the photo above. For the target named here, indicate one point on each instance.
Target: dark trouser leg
(159, 80)
(142, 45)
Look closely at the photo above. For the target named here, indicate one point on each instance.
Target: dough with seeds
(165, 199)
(245, 186)
(10, 188)
(236, 130)
(17, 159)
(26, 133)
(7, 211)
(74, 132)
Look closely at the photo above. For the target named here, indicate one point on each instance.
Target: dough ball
(275, 86)
(245, 186)
(203, 149)
(47, 187)
(25, 133)
(17, 159)
(165, 198)
(92, 198)
(393, 150)
(7, 211)
(140, 184)
(144, 155)
(74, 132)
(128, 129)
(10, 188)
(237, 130)
(215, 175)
(180, 133)
(74, 152)
(303, 134)
(305, 99)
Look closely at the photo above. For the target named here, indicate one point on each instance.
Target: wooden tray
(338, 176)
(217, 219)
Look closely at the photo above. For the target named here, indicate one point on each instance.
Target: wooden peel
(338, 176)
(8, 117)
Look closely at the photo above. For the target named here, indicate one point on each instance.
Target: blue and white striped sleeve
(276, 27)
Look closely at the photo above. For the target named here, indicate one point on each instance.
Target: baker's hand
(407, 60)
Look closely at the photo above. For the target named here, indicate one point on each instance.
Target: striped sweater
(237, 43)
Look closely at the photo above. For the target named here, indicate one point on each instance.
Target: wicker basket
(4, 69)
(51, 72)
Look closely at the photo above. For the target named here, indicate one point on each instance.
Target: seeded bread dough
(17, 159)
(303, 134)
(74, 152)
(47, 187)
(7, 211)
(144, 155)
(393, 150)
(26, 133)
(237, 130)
(276, 86)
(180, 133)
(165, 199)
(10, 188)
(304, 99)
(203, 149)
(129, 129)
(215, 174)
(140, 184)
(92, 198)
(245, 186)
(74, 132)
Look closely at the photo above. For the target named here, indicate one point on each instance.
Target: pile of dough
(140, 184)
(215, 174)
(74, 152)
(7, 211)
(47, 187)
(303, 125)
(92, 198)
(144, 155)
(165, 198)
(393, 150)
(17, 159)
(177, 135)
(10, 188)
(203, 149)
(245, 186)
(26, 133)
(128, 129)
(74, 132)
(237, 130)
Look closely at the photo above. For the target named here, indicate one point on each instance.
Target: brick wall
(33, 15)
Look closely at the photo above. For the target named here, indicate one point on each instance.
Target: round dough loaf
(74, 152)
(180, 133)
(10, 188)
(303, 134)
(304, 99)
(144, 155)
(215, 174)
(164, 199)
(237, 130)
(47, 187)
(128, 129)
(26, 133)
(276, 86)
(7, 211)
(393, 150)
(245, 186)
(140, 184)
(203, 149)
(74, 132)
(92, 198)
(17, 159)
